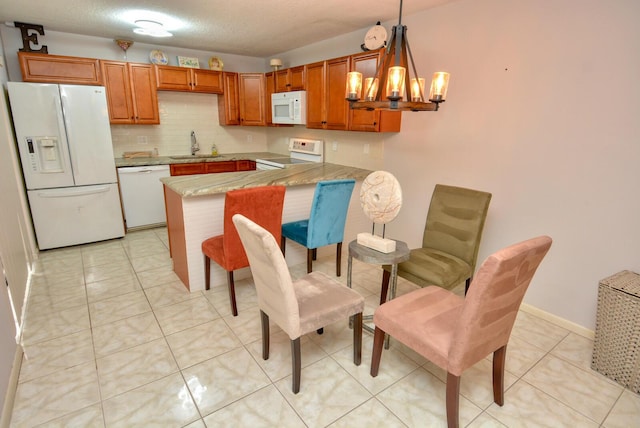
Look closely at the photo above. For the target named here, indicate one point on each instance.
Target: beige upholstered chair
(450, 241)
(261, 204)
(455, 332)
(298, 307)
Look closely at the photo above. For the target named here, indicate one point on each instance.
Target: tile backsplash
(181, 113)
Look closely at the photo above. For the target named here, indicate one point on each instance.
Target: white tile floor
(112, 338)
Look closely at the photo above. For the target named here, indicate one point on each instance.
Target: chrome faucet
(194, 144)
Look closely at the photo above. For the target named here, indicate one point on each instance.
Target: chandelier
(396, 80)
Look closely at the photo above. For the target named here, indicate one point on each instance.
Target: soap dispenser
(214, 150)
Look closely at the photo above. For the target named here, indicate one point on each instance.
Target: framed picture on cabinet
(185, 61)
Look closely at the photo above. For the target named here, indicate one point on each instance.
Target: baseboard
(9, 399)
(561, 322)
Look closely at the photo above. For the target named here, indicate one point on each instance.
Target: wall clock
(375, 38)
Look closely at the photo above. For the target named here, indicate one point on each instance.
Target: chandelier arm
(413, 66)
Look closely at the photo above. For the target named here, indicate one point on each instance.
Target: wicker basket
(616, 348)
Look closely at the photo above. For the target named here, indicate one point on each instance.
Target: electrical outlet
(366, 148)
(334, 146)
(142, 139)
(249, 138)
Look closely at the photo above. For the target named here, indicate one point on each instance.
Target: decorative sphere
(381, 197)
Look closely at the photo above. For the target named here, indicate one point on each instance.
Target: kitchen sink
(195, 156)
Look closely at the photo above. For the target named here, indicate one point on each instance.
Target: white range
(301, 150)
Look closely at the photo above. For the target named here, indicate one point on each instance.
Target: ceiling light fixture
(151, 28)
(394, 82)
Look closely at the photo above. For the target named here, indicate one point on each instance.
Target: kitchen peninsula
(195, 207)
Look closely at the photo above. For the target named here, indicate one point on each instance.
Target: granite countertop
(167, 160)
(295, 175)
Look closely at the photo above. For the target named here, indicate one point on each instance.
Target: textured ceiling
(245, 27)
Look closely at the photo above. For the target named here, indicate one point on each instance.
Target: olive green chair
(450, 242)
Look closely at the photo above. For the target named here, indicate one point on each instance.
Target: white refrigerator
(64, 140)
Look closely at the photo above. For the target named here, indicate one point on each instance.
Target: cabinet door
(269, 88)
(223, 166)
(337, 107)
(252, 111)
(282, 80)
(245, 165)
(371, 121)
(209, 81)
(187, 168)
(118, 90)
(173, 78)
(144, 93)
(315, 95)
(296, 78)
(45, 68)
(228, 108)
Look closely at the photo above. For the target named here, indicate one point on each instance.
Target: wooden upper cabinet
(131, 93)
(45, 68)
(327, 107)
(371, 121)
(228, 105)
(252, 99)
(290, 79)
(188, 79)
(269, 88)
(315, 94)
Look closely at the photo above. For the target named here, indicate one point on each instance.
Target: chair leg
(295, 365)
(466, 285)
(315, 253)
(499, 357)
(309, 260)
(357, 338)
(453, 400)
(207, 272)
(283, 244)
(320, 330)
(338, 258)
(378, 341)
(232, 293)
(386, 276)
(264, 321)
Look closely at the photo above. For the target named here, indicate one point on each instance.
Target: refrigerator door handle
(69, 192)
(66, 114)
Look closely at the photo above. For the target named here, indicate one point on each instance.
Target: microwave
(289, 107)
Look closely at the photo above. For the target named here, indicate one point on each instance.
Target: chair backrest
(329, 212)
(271, 277)
(492, 303)
(263, 205)
(455, 221)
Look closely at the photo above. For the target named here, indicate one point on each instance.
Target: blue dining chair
(325, 225)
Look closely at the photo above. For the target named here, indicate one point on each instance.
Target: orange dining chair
(456, 332)
(262, 205)
(297, 307)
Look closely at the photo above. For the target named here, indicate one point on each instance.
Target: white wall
(543, 112)
(17, 249)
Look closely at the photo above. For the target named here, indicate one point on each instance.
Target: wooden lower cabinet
(211, 167)
(245, 165)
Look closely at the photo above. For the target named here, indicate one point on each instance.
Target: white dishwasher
(143, 195)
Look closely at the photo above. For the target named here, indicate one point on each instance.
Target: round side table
(371, 256)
